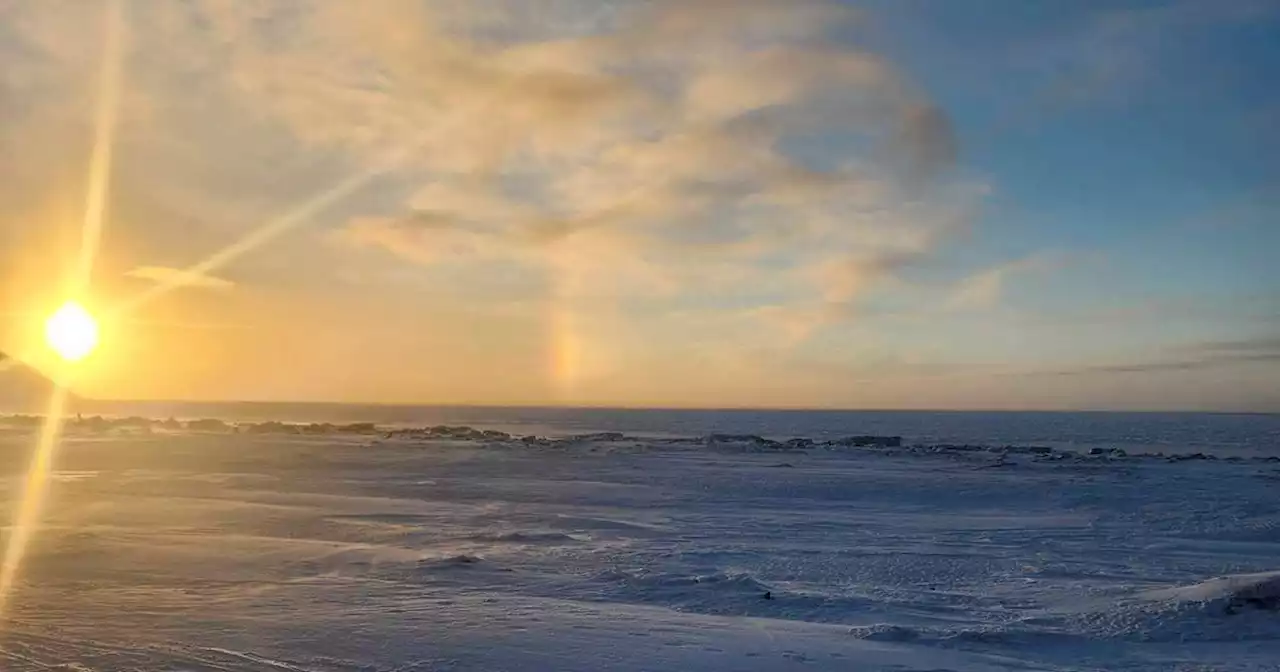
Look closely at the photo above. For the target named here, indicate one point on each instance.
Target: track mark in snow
(260, 660)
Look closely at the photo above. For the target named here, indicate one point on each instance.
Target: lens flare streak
(34, 490)
(106, 117)
(270, 230)
(36, 484)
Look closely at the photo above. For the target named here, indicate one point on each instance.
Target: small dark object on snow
(768, 595)
(1263, 603)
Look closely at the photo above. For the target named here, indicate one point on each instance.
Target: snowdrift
(1228, 594)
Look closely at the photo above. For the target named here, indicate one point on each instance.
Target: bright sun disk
(72, 332)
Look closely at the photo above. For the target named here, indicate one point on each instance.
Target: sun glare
(72, 332)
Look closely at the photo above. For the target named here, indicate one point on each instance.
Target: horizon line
(625, 407)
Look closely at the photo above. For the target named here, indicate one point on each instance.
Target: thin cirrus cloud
(164, 275)
(985, 289)
(1195, 356)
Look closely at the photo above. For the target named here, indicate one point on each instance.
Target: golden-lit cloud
(664, 129)
(523, 202)
(659, 151)
(589, 171)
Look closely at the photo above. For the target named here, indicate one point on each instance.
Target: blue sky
(806, 203)
(1145, 131)
(1140, 136)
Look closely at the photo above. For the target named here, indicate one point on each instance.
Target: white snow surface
(231, 553)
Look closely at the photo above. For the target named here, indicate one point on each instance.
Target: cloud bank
(655, 148)
(612, 194)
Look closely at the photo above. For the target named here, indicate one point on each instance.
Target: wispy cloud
(1263, 350)
(986, 288)
(163, 275)
(1263, 346)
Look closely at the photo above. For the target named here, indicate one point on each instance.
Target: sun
(71, 332)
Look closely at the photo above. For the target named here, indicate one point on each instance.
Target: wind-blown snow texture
(453, 550)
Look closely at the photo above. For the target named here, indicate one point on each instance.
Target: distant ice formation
(614, 442)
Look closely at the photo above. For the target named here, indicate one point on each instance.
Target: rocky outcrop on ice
(868, 442)
(439, 432)
(314, 428)
(610, 442)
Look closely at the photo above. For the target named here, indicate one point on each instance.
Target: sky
(670, 203)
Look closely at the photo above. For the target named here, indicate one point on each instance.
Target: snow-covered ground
(190, 552)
